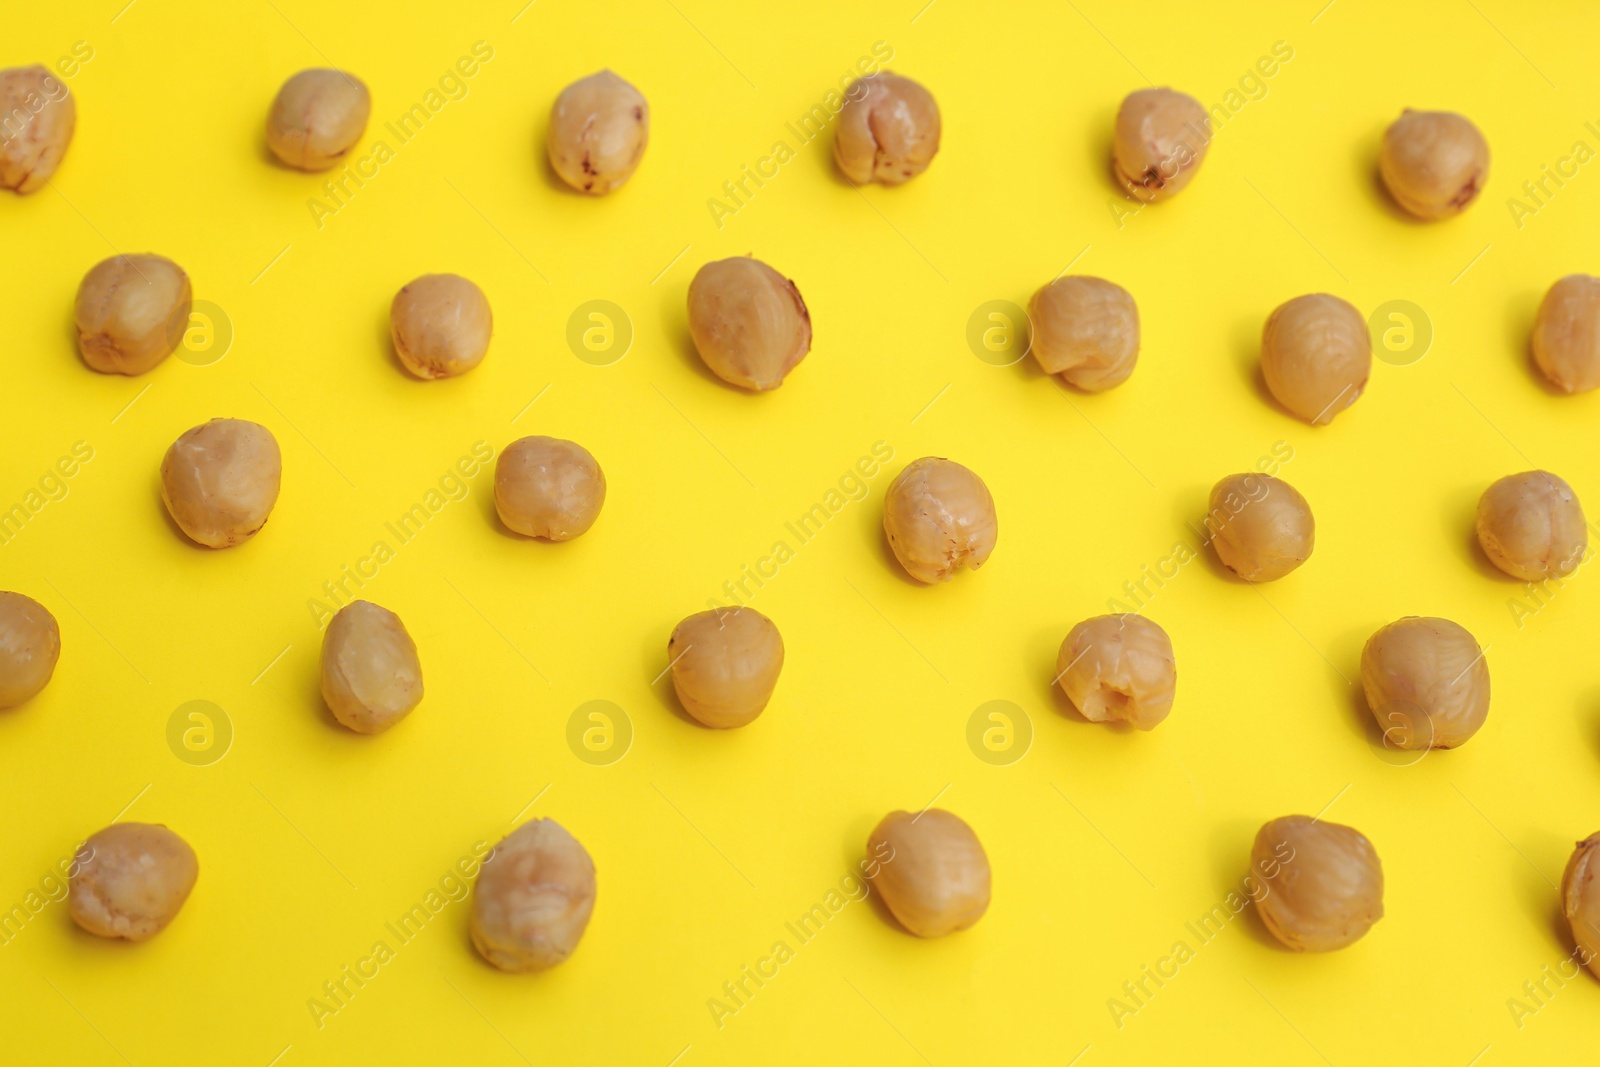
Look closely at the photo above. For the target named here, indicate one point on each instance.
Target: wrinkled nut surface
(37, 116)
(533, 898)
(939, 517)
(130, 880)
(1531, 526)
(131, 313)
(371, 676)
(220, 481)
(1580, 900)
(1086, 330)
(30, 644)
(1434, 163)
(888, 130)
(1316, 355)
(1426, 682)
(1324, 884)
(599, 127)
(725, 664)
(317, 117)
(546, 487)
(1566, 334)
(441, 325)
(1119, 668)
(1160, 141)
(936, 878)
(1260, 526)
(749, 323)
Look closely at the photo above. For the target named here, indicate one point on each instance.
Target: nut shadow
(1231, 842)
(1461, 516)
(675, 322)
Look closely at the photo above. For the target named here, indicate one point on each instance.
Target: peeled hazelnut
(1316, 355)
(1580, 900)
(1324, 884)
(131, 313)
(939, 517)
(749, 323)
(1119, 668)
(725, 664)
(533, 898)
(546, 487)
(130, 880)
(1531, 526)
(1260, 526)
(37, 116)
(441, 324)
(1566, 334)
(1161, 140)
(30, 644)
(371, 676)
(1086, 330)
(1426, 682)
(599, 127)
(317, 117)
(220, 481)
(936, 878)
(888, 130)
(1434, 163)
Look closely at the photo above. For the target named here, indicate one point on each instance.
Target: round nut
(1531, 526)
(1260, 526)
(317, 117)
(888, 130)
(939, 517)
(932, 871)
(1316, 355)
(1086, 330)
(441, 325)
(725, 664)
(130, 880)
(749, 323)
(30, 644)
(1426, 683)
(533, 898)
(599, 127)
(1580, 900)
(1161, 140)
(220, 481)
(1119, 668)
(1323, 883)
(546, 487)
(371, 676)
(1434, 163)
(37, 117)
(1566, 334)
(131, 313)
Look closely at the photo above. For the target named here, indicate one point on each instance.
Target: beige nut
(1316, 355)
(932, 871)
(1532, 527)
(1260, 526)
(131, 313)
(533, 898)
(725, 664)
(546, 487)
(939, 517)
(1434, 163)
(1160, 141)
(30, 645)
(1119, 668)
(1086, 330)
(599, 127)
(220, 481)
(441, 325)
(749, 323)
(1323, 884)
(37, 117)
(1426, 683)
(317, 117)
(888, 130)
(1566, 334)
(130, 880)
(371, 676)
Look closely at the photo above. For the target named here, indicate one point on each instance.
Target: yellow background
(1103, 843)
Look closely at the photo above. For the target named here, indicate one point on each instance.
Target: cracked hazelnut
(599, 127)
(1086, 330)
(131, 313)
(37, 116)
(888, 130)
(936, 878)
(1434, 163)
(1531, 526)
(1161, 140)
(533, 898)
(317, 117)
(939, 517)
(1426, 683)
(725, 664)
(1323, 883)
(748, 322)
(1316, 355)
(1566, 334)
(130, 880)
(1119, 668)
(371, 676)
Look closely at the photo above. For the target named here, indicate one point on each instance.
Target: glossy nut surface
(725, 665)
(749, 323)
(1566, 334)
(1086, 330)
(1119, 668)
(1434, 163)
(317, 117)
(1324, 884)
(30, 644)
(37, 117)
(1531, 526)
(130, 880)
(599, 127)
(533, 898)
(131, 313)
(1580, 900)
(1161, 140)
(441, 325)
(888, 130)
(1426, 682)
(1316, 355)
(220, 481)
(939, 517)
(371, 676)
(546, 487)
(1260, 526)
(935, 879)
